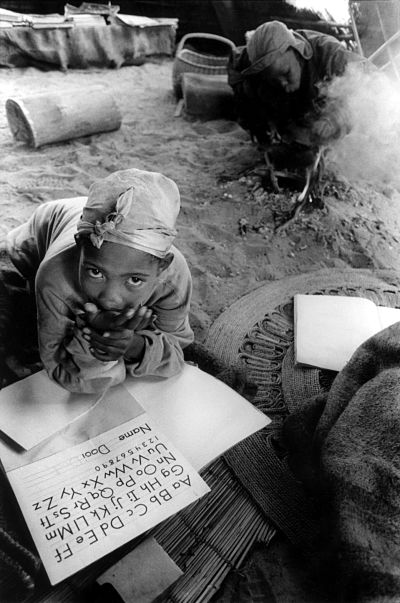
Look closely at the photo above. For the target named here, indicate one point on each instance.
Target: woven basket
(189, 60)
(207, 96)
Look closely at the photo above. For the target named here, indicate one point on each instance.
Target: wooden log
(54, 117)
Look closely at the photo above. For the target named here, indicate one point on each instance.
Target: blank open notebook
(329, 328)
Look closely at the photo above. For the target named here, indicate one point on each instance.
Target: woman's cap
(271, 40)
(132, 207)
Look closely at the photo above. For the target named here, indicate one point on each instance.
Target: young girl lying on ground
(112, 292)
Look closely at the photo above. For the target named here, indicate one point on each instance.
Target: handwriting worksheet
(85, 501)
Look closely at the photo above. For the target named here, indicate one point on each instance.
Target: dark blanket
(19, 563)
(356, 446)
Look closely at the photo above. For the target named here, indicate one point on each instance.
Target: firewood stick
(305, 194)
(271, 173)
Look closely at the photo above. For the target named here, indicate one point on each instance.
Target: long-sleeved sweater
(44, 251)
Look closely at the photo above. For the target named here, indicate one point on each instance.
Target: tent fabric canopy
(82, 47)
(229, 18)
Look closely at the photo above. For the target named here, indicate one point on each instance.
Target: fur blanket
(353, 467)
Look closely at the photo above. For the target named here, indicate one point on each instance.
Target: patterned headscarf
(271, 40)
(133, 208)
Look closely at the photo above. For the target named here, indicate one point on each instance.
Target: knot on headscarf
(270, 40)
(133, 208)
(111, 221)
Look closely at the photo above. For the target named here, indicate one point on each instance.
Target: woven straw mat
(256, 332)
(253, 494)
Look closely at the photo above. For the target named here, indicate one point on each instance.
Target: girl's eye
(94, 273)
(135, 281)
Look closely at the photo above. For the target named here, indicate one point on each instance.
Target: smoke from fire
(370, 103)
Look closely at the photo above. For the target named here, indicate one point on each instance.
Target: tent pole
(355, 30)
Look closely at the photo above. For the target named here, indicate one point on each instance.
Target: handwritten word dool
(102, 449)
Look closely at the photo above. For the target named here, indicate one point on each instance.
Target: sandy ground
(212, 164)
(215, 166)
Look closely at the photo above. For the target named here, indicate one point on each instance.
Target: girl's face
(285, 72)
(115, 276)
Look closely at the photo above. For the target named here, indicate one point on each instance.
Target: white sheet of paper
(97, 420)
(202, 416)
(35, 408)
(136, 20)
(86, 501)
(329, 328)
(139, 581)
(199, 414)
(388, 316)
